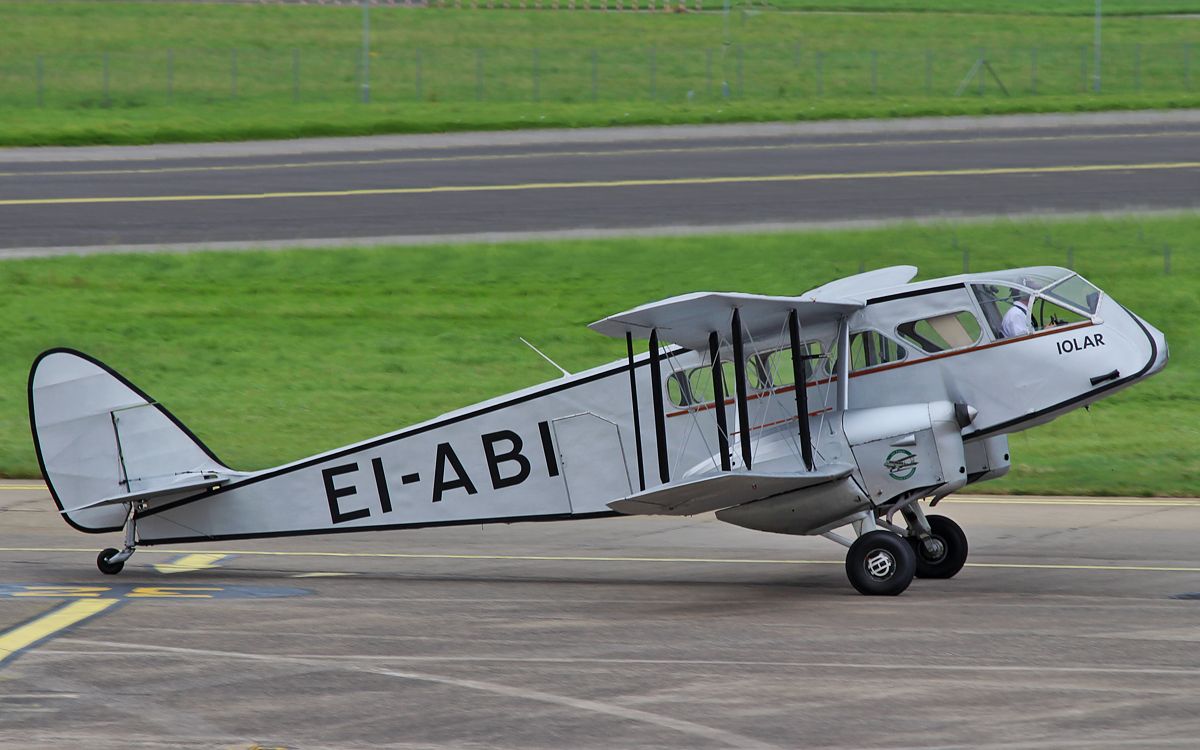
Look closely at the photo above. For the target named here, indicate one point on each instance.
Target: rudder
(98, 435)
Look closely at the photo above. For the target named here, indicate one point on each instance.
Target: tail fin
(98, 436)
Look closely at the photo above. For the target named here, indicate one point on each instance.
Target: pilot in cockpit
(1017, 321)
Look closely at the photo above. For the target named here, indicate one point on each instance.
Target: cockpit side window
(940, 333)
(996, 300)
(1077, 293)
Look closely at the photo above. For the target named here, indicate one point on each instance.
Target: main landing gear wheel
(945, 552)
(880, 563)
(106, 567)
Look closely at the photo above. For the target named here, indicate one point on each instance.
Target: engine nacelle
(910, 447)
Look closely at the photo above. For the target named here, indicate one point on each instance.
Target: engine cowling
(910, 447)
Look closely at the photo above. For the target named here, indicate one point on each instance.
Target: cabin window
(778, 364)
(996, 300)
(868, 349)
(941, 333)
(695, 386)
(679, 391)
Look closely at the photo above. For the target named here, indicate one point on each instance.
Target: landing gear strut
(111, 561)
(943, 552)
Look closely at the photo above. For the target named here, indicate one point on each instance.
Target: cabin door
(593, 461)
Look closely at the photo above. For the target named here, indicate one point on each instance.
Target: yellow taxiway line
(16, 640)
(268, 166)
(191, 562)
(669, 181)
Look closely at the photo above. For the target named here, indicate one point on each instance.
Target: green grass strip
(271, 356)
(85, 73)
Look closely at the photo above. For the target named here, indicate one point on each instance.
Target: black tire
(880, 563)
(107, 568)
(954, 549)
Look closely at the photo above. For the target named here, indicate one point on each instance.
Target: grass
(216, 72)
(1021, 7)
(273, 356)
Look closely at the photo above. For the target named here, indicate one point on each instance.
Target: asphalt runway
(598, 181)
(633, 632)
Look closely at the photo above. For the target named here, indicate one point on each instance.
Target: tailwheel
(944, 552)
(106, 567)
(880, 563)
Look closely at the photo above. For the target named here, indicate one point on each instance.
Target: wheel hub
(933, 549)
(880, 564)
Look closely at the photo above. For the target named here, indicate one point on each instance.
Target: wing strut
(660, 424)
(637, 421)
(843, 365)
(739, 381)
(714, 350)
(801, 378)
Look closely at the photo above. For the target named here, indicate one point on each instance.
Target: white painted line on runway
(133, 648)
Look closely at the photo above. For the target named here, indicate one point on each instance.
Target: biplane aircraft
(841, 407)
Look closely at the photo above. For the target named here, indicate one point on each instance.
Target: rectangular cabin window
(695, 386)
(868, 349)
(940, 333)
(777, 365)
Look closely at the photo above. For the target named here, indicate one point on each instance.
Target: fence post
(170, 75)
(820, 73)
(740, 79)
(537, 75)
(295, 75)
(928, 72)
(107, 100)
(653, 72)
(417, 74)
(874, 72)
(1033, 65)
(981, 74)
(1083, 72)
(708, 70)
(1187, 66)
(40, 75)
(478, 74)
(233, 73)
(1137, 67)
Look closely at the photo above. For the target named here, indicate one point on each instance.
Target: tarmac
(1065, 630)
(489, 187)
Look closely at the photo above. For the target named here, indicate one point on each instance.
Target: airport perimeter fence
(781, 71)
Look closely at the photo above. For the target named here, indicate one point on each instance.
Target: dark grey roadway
(699, 177)
(621, 633)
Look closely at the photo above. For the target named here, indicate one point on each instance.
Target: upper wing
(723, 491)
(688, 319)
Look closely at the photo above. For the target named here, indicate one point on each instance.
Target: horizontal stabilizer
(183, 483)
(721, 491)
